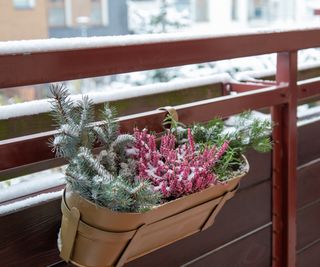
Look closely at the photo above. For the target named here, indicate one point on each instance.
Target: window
(258, 9)
(201, 8)
(56, 13)
(99, 12)
(24, 4)
(96, 12)
(234, 10)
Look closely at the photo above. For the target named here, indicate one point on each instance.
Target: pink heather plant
(174, 171)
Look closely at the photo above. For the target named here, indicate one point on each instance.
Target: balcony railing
(29, 234)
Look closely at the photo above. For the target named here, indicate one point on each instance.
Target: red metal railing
(40, 67)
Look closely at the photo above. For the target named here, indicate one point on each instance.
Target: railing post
(284, 165)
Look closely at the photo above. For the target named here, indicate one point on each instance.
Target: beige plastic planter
(95, 236)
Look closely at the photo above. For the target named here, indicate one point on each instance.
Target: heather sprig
(246, 133)
(131, 172)
(175, 170)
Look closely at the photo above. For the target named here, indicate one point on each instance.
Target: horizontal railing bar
(241, 87)
(51, 66)
(230, 105)
(37, 166)
(33, 194)
(309, 88)
(260, 81)
(33, 149)
(26, 125)
(42, 122)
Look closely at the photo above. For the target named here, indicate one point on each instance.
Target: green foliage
(248, 132)
(108, 179)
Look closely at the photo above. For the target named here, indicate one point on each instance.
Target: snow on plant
(131, 173)
(173, 170)
(247, 133)
(108, 179)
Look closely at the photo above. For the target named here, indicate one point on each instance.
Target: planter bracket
(73, 222)
(217, 209)
(133, 242)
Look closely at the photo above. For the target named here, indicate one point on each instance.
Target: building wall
(117, 22)
(80, 9)
(23, 24)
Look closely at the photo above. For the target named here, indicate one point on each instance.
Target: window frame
(24, 4)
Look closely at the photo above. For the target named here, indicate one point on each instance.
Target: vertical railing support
(284, 165)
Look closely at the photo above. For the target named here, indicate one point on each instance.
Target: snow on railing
(42, 106)
(28, 202)
(64, 44)
(30, 184)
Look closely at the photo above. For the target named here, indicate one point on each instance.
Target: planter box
(96, 236)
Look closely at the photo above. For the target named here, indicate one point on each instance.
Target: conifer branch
(108, 179)
(86, 155)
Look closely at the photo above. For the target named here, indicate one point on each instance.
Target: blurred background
(42, 19)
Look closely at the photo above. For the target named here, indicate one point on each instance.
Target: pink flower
(175, 171)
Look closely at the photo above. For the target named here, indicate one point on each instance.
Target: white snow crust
(12, 207)
(34, 184)
(308, 115)
(41, 106)
(63, 44)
